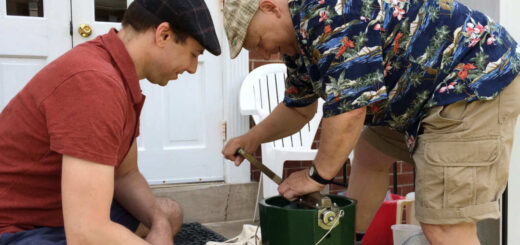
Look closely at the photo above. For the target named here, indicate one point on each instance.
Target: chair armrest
(250, 91)
(247, 104)
(247, 98)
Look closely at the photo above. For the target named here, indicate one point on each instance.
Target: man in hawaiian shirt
(432, 80)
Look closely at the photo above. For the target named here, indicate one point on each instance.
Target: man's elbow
(308, 115)
(309, 111)
(76, 236)
(359, 113)
(353, 117)
(85, 232)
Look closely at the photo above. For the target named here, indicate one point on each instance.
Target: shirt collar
(295, 10)
(126, 66)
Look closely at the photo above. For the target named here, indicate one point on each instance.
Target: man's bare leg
(368, 182)
(460, 234)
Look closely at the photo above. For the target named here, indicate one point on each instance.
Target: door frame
(235, 71)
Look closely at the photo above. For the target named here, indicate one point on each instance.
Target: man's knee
(462, 233)
(171, 209)
(368, 158)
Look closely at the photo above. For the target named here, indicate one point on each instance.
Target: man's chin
(288, 52)
(164, 83)
(160, 83)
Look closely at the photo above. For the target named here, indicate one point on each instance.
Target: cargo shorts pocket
(456, 173)
(444, 119)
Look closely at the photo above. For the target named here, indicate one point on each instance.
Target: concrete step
(212, 202)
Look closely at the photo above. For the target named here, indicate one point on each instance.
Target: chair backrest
(262, 90)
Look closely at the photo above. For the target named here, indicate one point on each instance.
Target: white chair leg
(258, 196)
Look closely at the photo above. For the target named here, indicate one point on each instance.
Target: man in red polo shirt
(68, 158)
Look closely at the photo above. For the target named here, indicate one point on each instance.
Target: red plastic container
(379, 231)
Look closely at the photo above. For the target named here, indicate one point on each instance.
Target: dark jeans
(56, 235)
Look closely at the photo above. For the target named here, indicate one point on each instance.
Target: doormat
(196, 234)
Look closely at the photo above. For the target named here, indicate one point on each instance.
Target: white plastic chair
(262, 90)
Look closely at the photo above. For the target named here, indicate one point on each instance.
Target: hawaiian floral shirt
(398, 57)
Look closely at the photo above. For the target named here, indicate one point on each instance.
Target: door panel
(15, 73)
(30, 41)
(180, 137)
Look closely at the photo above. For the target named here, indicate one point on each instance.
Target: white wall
(510, 18)
(489, 7)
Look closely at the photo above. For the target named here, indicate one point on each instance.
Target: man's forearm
(134, 194)
(282, 122)
(339, 135)
(132, 191)
(108, 233)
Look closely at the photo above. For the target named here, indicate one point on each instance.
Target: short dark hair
(141, 20)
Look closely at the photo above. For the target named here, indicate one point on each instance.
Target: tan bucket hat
(237, 15)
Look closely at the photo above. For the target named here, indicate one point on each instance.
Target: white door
(32, 34)
(180, 138)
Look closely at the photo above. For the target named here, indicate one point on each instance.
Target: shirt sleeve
(85, 117)
(346, 50)
(299, 90)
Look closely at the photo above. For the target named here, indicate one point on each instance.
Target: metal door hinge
(223, 130)
(70, 28)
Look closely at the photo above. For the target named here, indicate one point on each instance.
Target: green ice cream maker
(283, 225)
(314, 219)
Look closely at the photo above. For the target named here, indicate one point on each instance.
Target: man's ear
(270, 6)
(163, 34)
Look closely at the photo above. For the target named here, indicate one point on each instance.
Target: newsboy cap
(191, 16)
(237, 16)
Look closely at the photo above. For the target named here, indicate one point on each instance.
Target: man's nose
(193, 67)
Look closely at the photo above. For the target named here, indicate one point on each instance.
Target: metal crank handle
(311, 200)
(259, 165)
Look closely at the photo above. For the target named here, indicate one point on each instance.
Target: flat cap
(190, 16)
(237, 16)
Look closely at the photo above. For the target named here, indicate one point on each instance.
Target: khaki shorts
(462, 157)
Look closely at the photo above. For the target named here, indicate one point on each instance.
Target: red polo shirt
(85, 104)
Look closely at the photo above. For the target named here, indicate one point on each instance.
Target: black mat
(196, 234)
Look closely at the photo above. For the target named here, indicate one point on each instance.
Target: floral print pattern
(398, 57)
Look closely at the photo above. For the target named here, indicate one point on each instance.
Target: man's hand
(298, 184)
(160, 232)
(246, 142)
